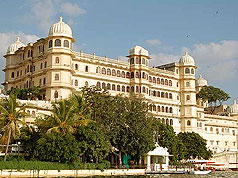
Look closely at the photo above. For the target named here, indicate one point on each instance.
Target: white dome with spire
(186, 59)
(60, 29)
(234, 107)
(201, 81)
(15, 46)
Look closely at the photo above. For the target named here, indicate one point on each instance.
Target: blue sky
(208, 29)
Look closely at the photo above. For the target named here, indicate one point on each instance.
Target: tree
(195, 146)
(26, 93)
(166, 137)
(58, 147)
(213, 95)
(11, 118)
(93, 142)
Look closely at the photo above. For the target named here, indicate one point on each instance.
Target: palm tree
(11, 119)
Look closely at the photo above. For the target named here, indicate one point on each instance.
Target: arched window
(137, 60)
(154, 93)
(143, 75)
(50, 44)
(127, 89)
(66, 43)
(188, 97)
(192, 71)
(170, 82)
(187, 71)
(103, 70)
(57, 42)
(137, 89)
(123, 74)
(57, 60)
(12, 75)
(56, 94)
(86, 83)
(154, 108)
(76, 83)
(187, 84)
(166, 109)
(132, 89)
(166, 95)
(108, 86)
(162, 94)
(118, 88)
(56, 76)
(132, 60)
(123, 88)
(158, 108)
(163, 120)
(166, 82)
(150, 79)
(113, 87)
(76, 66)
(167, 121)
(28, 53)
(33, 114)
(150, 107)
(143, 61)
(103, 85)
(98, 70)
(162, 81)
(127, 75)
(118, 73)
(154, 80)
(188, 122)
(211, 129)
(137, 74)
(171, 122)
(98, 85)
(162, 108)
(132, 74)
(108, 71)
(171, 110)
(158, 81)
(113, 72)
(143, 90)
(170, 96)
(86, 68)
(158, 94)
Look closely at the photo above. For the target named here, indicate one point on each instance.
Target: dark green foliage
(195, 146)
(213, 95)
(58, 147)
(93, 143)
(26, 93)
(166, 137)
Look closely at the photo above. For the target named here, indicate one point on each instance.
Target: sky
(207, 29)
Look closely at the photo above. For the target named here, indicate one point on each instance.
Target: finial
(234, 101)
(61, 19)
(186, 53)
(18, 38)
(200, 76)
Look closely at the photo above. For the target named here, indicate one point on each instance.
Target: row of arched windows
(160, 94)
(166, 121)
(188, 71)
(138, 60)
(158, 108)
(124, 74)
(114, 87)
(57, 43)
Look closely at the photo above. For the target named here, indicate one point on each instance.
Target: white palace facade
(171, 89)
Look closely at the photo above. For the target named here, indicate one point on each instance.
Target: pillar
(148, 163)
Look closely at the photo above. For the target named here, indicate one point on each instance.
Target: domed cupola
(234, 108)
(60, 29)
(138, 50)
(201, 81)
(186, 59)
(15, 46)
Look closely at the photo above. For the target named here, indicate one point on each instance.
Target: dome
(138, 50)
(15, 46)
(201, 81)
(186, 59)
(60, 29)
(234, 108)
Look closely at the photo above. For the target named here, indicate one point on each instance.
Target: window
(143, 75)
(118, 88)
(132, 60)
(76, 66)
(103, 85)
(171, 122)
(12, 75)
(170, 96)
(86, 68)
(132, 74)
(226, 143)
(123, 88)
(150, 79)
(108, 72)
(137, 60)
(211, 129)
(170, 110)
(86, 83)
(50, 44)
(108, 86)
(76, 83)
(162, 81)
(127, 89)
(166, 95)
(56, 94)
(154, 108)
(158, 81)
(56, 76)
(57, 42)
(154, 80)
(192, 71)
(143, 90)
(113, 72)
(98, 85)
(188, 123)
(57, 60)
(137, 89)
(41, 65)
(137, 75)
(98, 70)
(188, 97)
(166, 82)
(143, 61)
(40, 82)
(44, 81)
(166, 109)
(66, 43)
(113, 87)
(162, 108)
(187, 71)
(45, 64)
(187, 84)
(118, 73)
(33, 114)
(162, 94)
(170, 83)
(127, 75)
(158, 108)
(103, 70)
(167, 121)
(132, 89)
(158, 94)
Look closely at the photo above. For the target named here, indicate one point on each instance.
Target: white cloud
(9, 38)
(154, 42)
(161, 58)
(71, 9)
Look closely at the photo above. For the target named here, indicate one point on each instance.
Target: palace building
(170, 89)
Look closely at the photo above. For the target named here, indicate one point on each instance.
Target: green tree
(11, 118)
(58, 147)
(26, 93)
(195, 146)
(166, 137)
(93, 142)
